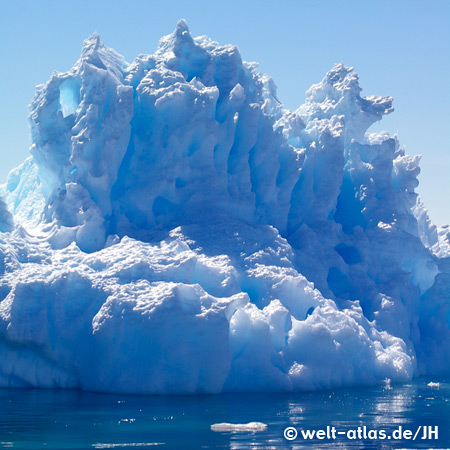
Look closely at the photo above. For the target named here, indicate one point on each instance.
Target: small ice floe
(432, 384)
(251, 427)
(131, 444)
(126, 420)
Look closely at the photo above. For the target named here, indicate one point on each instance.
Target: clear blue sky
(398, 47)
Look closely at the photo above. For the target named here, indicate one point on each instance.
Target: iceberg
(176, 230)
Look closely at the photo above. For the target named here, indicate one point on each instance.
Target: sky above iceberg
(398, 48)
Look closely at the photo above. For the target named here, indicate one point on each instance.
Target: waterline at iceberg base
(176, 230)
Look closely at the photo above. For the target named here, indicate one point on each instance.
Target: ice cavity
(177, 230)
(69, 97)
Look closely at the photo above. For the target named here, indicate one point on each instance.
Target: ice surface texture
(6, 219)
(177, 231)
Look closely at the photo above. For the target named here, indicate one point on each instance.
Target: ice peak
(96, 53)
(177, 40)
(338, 74)
(91, 44)
(179, 52)
(338, 94)
(181, 33)
(181, 26)
(338, 82)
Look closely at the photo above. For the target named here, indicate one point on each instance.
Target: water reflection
(32, 419)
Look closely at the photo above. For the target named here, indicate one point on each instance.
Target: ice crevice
(176, 230)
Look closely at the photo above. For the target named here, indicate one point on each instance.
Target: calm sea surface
(53, 419)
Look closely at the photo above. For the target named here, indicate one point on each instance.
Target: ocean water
(58, 419)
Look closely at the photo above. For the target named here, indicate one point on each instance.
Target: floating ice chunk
(132, 444)
(238, 427)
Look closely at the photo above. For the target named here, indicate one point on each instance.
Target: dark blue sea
(413, 415)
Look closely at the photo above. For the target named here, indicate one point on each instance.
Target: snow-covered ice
(176, 230)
